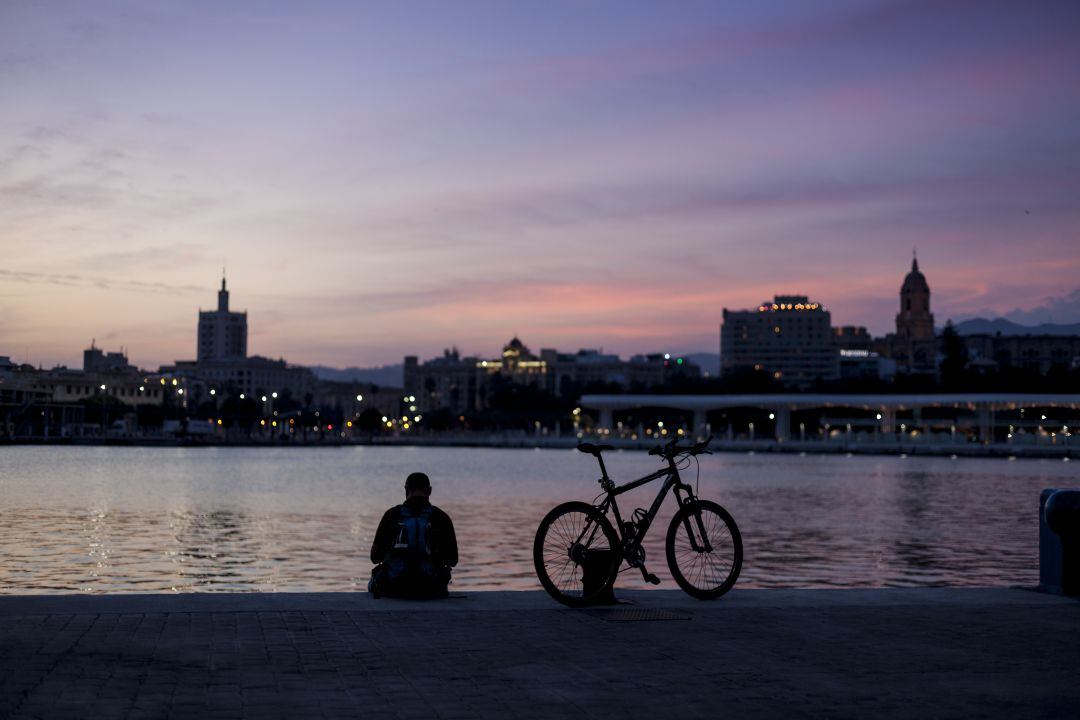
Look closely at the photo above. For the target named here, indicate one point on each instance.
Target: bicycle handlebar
(672, 448)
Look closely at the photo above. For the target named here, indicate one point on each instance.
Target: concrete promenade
(915, 653)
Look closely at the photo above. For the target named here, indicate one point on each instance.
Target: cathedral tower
(914, 347)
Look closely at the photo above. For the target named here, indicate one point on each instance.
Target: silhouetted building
(222, 334)
(858, 364)
(463, 384)
(1035, 353)
(791, 338)
(568, 372)
(254, 376)
(449, 381)
(94, 360)
(852, 337)
(913, 347)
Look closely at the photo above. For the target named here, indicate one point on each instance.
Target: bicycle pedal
(652, 579)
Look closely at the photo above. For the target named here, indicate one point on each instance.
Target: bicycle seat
(594, 449)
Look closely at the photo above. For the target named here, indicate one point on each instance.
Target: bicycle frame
(630, 544)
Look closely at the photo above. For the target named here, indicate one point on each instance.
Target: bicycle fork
(704, 546)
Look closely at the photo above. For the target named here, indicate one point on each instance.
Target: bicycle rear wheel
(704, 549)
(575, 553)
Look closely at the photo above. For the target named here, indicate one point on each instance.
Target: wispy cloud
(82, 281)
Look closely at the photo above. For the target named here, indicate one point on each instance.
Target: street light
(359, 398)
(213, 391)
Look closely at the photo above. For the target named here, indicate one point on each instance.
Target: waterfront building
(223, 366)
(1034, 353)
(462, 384)
(95, 360)
(351, 398)
(567, 372)
(913, 346)
(852, 337)
(859, 364)
(253, 376)
(790, 338)
(222, 333)
(52, 403)
(858, 360)
(449, 381)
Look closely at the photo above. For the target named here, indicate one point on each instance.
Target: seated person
(414, 546)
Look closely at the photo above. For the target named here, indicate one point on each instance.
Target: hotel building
(791, 338)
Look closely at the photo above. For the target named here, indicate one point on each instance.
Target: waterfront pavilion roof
(794, 401)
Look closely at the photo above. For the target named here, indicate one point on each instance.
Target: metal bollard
(1059, 542)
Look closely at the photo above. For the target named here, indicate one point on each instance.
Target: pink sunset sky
(383, 179)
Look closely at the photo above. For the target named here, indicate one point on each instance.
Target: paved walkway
(768, 653)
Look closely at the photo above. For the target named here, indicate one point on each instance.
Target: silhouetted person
(414, 548)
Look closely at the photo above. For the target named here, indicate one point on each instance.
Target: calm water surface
(99, 519)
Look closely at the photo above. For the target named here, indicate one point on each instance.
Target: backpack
(410, 559)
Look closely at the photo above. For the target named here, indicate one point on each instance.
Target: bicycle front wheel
(704, 549)
(575, 553)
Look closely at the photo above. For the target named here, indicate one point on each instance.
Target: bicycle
(578, 552)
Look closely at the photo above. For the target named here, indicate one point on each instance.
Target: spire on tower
(914, 261)
(223, 295)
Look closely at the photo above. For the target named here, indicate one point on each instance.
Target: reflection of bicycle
(578, 553)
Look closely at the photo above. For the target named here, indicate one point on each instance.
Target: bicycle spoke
(566, 538)
(705, 570)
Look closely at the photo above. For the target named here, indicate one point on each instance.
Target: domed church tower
(915, 349)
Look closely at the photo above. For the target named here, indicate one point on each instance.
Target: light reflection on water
(100, 519)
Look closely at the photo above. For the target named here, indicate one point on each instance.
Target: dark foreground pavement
(775, 653)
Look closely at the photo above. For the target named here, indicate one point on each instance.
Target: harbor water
(130, 519)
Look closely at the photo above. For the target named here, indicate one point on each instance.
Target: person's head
(417, 485)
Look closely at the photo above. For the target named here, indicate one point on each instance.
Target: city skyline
(380, 184)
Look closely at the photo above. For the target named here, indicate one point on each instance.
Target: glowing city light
(359, 398)
(213, 391)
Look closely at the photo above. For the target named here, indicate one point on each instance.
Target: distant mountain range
(982, 326)
(708, 362)
(386, 375)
